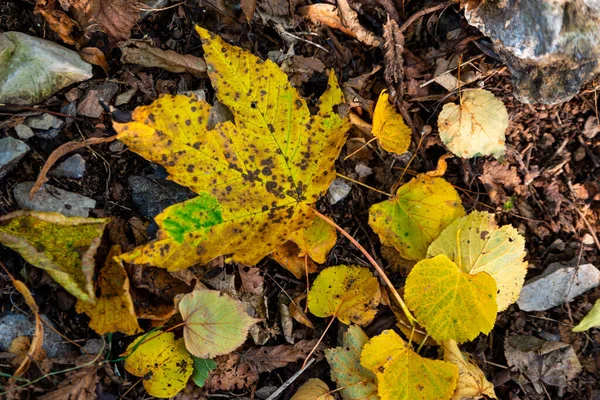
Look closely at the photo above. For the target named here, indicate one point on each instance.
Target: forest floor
(548, 187)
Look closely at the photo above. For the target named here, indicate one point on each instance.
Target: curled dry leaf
(472, 384)
(325, 14)
(350, 19)
(450, 303)
(162, 361)
(214, 324)
(393, 47)
(416, 215)
(354, 381)
(286, 255)
(477, 244)
(313, 389)
(62, 246)
(113, 310)
(389, 126)
(349, 293)
(57, 20)
(255, 185)
(95, 56)
(476, 126)
(143, 54)
(298, 313)
(403, 374)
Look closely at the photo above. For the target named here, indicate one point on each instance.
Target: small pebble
(53, 199)
(587, 239)
(116, 146)
(338, 190)
(579, 154)
(362, 170)
(11, 152)
(73, 168)
(44, 121)
(24, 132)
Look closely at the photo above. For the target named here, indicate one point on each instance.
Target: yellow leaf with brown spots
(256, 178)
(350, 293)
(113, 310)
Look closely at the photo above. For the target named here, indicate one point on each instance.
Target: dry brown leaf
(143, 54)
(496, 178)
(57, 20)
(350, 19)
(298, 313)
(248, 7)
(325, 14)
(232, 373)
(114, 17)
(393, 46)
(252, 281)
(268, 358)
(95, 56)
(78, 385)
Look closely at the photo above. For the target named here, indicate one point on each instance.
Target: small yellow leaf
(472, 384)
(591, 320)
(350, 293)
(476, 126)
(354, 381)
(62, 246)
(402, 374)
(477, 244)
(389, 126)
(256, 176)
(450, 303)
(317, 240)
(287, 256)
(163, 362)
(416, 215)
(215, 324)
(313, 389)
(113, 311)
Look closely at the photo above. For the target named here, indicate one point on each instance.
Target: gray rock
(47, 135)
(551, 47)
(11, 152)
(152, 196)
(558, 284)
(44, 121)
(73, 168)
(338, 190)
(90, 106)
(53, 199)
(116, 146)
(24, 132)
(32, 69)
(15, 325)
(69, 109)
(94, 346)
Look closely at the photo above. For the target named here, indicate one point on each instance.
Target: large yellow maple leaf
(255, 178)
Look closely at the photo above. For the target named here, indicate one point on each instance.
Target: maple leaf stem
(319, 341)
(362, 184)
(383, 275)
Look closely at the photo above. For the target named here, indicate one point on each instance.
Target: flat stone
(11, 152)
(73, 168)
(32, 69)
(116, 146)
(44, 121)
(48, 134)
(90, 106)
(24, 132)
(551, 47)
(558, 284)
(338, 190)
(152, 196)
(125, 97)
(53, 199)
(15, 325)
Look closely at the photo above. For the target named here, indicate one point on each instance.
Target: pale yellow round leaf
(477, 244)
(402, 374)
(450, 303)
(476, 126)
(313, 389)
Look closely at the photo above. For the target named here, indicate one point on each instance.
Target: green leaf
(62, 246)
(591, 320)
(214, 323)
(355, 381)
(202, 368)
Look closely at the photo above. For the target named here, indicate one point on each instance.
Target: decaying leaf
(477, 244)
(350, 293)
(313, 389)
(402, 374)
(143, 54)
(355, 381)
(451, 303)
(114, 17)
(162, 361)
(79, 384)
(552, 363)
(269, 358)
(389, 126)
(317, 240)
(256, 179)
(202, 368)
(287, 256)
(95, 56)
(62, 246)
(393, 45)
(215, 324)
(113, 310)
(472, 384)
(298, 313)
(416, 215)
(591, 320)
(57, 20)
(476, 126)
